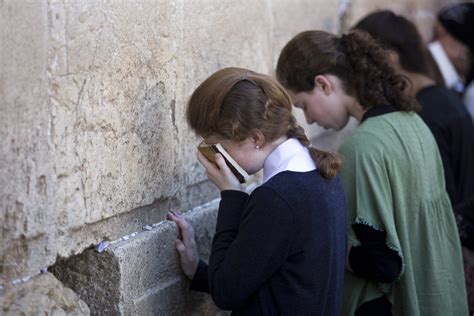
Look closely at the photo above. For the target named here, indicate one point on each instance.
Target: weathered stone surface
(27, 175)
(101, 283)
(114, 93)
(141, 275)
(42, 295)
(421, 12)
(101, 139)
(290, 18)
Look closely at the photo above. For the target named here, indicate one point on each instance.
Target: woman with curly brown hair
(405, 256)
(445, 115)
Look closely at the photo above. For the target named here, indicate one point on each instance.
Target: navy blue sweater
(281, 250)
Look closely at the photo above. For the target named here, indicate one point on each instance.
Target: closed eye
(301, 106)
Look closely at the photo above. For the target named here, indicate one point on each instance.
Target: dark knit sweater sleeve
(200, 281)
(446, 139)
(373, 259)
(234, 202)
(250, 244)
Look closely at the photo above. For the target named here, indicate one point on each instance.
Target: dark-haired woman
(405, 255)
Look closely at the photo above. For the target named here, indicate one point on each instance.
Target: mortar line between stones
(103, 245)
(24, 279)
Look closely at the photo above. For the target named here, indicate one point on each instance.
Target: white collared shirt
(448, 72)
(290, 155)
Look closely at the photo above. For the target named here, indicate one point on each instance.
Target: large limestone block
(225, 33)
(113, 92)
(292, 17)
(42, 295)
(140, 274)
(27, 180)
(121, 75)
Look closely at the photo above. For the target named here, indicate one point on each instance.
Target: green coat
(394, 182)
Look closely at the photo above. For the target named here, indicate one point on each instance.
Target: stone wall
(93, 127)
(27, 167)
(421, 12)
(93, 138)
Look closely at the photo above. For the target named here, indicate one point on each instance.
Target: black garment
(200, 282)
(281, 250)
(378, 110)
(465, 219)
(452, 127)
(379, 307)
(373, 259)
(458, 20)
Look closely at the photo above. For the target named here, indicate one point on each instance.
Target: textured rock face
(140, 275)
(93, 138)
(93, 129)
(43, 295)
(27, 173)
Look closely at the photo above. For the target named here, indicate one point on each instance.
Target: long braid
(328, 163)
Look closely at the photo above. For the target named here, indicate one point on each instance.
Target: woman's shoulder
(379, 137)
(300, 192)
(384, 132)
(399, 140)
(286, 180)
(390, 121)
(365, 140)
(288, 184)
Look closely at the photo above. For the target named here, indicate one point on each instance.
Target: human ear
(393, 58)
(323, 83)
(258, 138)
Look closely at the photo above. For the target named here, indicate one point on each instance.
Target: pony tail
(328, 163)
(374, 80)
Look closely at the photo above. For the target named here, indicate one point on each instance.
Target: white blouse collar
(290, 155)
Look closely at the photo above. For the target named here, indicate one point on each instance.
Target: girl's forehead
(212, 139)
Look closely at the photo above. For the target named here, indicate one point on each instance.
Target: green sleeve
(367, 176)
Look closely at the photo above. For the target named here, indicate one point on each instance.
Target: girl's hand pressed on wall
(186, 246)
(220, 174)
